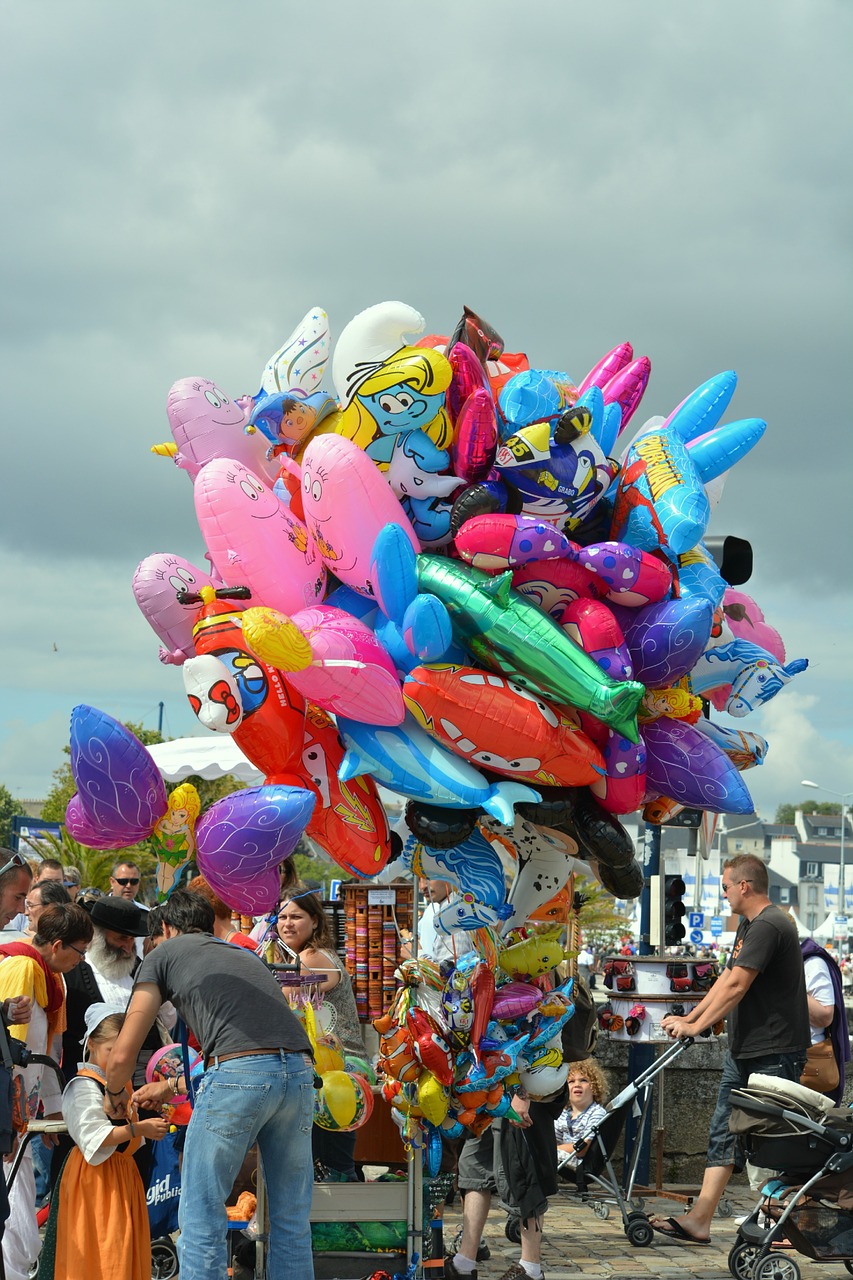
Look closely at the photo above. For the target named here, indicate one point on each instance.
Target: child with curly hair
(587, 1094)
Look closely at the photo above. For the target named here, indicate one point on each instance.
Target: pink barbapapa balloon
(156, 584)
(347, 502)
(254, 540)
(208, 424)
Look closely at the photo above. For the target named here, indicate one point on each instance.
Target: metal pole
(160, 718)
(842, 897)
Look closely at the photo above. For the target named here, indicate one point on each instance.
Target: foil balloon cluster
(456, 578)
(461, 1038)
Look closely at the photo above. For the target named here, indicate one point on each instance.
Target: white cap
(95, 1015)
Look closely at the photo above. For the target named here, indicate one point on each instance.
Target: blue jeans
(724, 1147)
(268, 1099)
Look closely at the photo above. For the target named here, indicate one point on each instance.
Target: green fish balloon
(506, 633)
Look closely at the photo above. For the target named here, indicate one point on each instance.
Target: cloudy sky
(183, 181)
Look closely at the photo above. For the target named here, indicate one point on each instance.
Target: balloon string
(339, 662)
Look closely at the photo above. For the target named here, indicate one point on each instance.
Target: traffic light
(733, 557)
(674, 910)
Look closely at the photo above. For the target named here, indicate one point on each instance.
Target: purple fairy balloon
(120, 793)
(686, 766)
(665, 640)
(242, 839)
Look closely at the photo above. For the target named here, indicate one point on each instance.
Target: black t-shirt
(773, 1016)
(225, 994)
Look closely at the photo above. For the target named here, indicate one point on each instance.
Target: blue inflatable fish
(405, 759)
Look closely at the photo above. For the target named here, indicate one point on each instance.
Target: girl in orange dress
(98, 1224)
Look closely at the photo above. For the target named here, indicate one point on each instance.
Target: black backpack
(581, 1031)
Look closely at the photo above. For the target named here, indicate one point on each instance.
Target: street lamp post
(843, 796)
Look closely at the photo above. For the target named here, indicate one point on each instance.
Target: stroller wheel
(640, 1233)
(724, 1209)
(512, 1230)
(164, 1260)
(776, 1266)
(600, 1209)
(741, 1257)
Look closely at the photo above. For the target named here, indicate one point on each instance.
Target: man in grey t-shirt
(257, 1087)
(762, 990)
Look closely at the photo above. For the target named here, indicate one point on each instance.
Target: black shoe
(451, 1273)
(483, 1250)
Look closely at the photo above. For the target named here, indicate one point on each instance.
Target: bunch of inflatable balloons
(452, 578)
(461, 1038)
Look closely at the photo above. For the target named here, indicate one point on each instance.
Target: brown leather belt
(216, 1058)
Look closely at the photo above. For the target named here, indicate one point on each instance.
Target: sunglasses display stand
(659, 986)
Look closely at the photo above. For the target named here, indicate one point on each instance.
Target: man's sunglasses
(16, 860)
(126, 880)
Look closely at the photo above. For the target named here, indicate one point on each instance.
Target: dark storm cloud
(188, 179)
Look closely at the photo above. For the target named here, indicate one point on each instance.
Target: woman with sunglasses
(35, 969)
(303, 926)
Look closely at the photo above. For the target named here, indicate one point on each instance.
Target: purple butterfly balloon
(242, 839)
(686, 766)
(120, 793)
(665, 640)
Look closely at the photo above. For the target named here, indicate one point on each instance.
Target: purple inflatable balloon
(665, 640)
(686, 766)
(156, 584)
(120, 793)
(242, 839)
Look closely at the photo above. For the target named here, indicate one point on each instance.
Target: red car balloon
(489, 720)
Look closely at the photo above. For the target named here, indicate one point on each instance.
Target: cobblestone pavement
(576, 1243)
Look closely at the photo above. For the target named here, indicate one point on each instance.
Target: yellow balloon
(433, 1098)
(341, 1096)
(276, 639)
(327, 1058)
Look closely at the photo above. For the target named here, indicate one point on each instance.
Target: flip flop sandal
(673, 1230)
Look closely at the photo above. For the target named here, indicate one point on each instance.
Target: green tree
(785, 812)
(601, 924)
(63, 787)
(9, 809)
(94, 865)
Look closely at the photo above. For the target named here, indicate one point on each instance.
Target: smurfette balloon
(347, 502)
(386, 387)
(253, 539)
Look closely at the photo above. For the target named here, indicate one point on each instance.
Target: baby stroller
(809, 1141)
(595, 1167)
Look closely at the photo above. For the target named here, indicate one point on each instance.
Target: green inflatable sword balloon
(507, 633)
